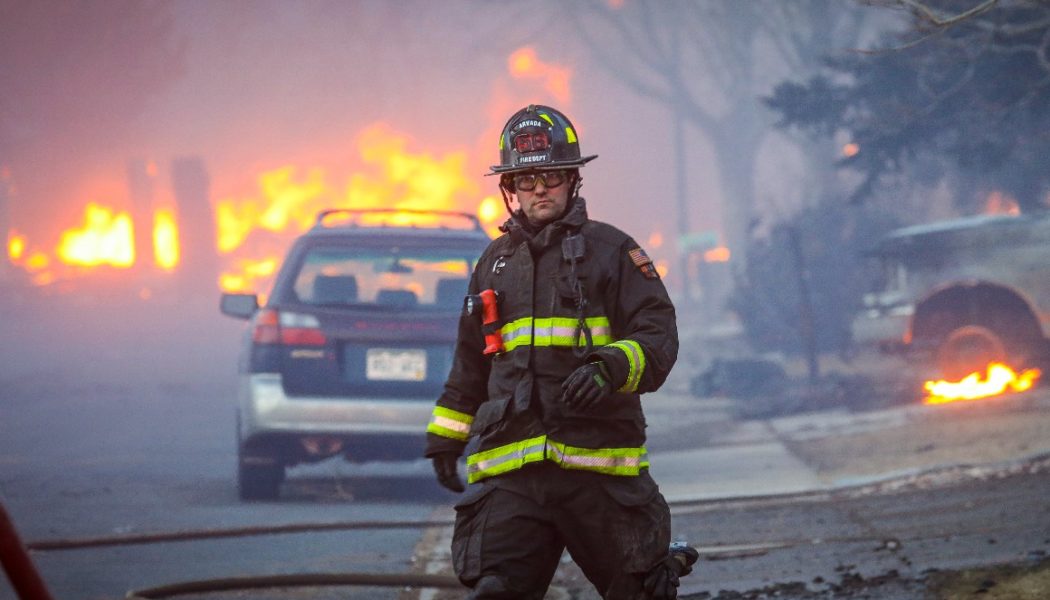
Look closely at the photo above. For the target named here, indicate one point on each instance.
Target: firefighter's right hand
(446, 470)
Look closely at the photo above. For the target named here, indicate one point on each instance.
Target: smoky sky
(252, 86)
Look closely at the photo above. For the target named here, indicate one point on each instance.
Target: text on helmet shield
(528, 123)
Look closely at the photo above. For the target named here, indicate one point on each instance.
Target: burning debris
(1000, 379)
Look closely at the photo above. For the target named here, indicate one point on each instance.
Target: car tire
(969, 349)
(259, 482)
(259, 474)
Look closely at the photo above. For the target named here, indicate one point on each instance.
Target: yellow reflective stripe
(636, 361)
(517, 333)
(570, 135)
(450, 423)
(601, 330)
(505, 458)
(546, 118)
(610, 461)
(553, 331)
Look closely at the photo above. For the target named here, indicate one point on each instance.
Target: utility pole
(5, 221)
(681, 197)
(807, 329)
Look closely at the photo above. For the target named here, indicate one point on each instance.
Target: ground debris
(850, 585)
(1019, 581)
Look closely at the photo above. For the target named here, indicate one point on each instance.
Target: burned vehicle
(963, 293)
(353, 344)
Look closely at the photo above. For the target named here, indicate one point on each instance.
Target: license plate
(387, 364)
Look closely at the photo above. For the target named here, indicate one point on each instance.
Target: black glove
(446, 470)
(661, 583)
(587, 386)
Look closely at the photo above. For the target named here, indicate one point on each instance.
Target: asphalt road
(874, 542)
(117, 419)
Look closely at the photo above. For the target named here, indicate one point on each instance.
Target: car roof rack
(353, 217)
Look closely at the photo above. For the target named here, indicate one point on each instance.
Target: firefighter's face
(543, 204)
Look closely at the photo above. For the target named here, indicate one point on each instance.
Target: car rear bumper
(265, 408)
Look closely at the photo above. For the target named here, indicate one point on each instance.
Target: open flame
(105, 239)
(717, 254)
(524, 64)
(998, 203)
(165, 239)
(254, 229)
(253, 233)
(999, 379)
(16, 246)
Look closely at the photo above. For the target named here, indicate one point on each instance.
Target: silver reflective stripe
(509, 457)
(586, 461)
(451, 424)
(554, 331)
(513, 455)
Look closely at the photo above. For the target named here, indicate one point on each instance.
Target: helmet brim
(554, 166)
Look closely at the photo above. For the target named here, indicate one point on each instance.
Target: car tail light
(288, 328)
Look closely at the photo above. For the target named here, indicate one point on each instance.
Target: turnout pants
(511, 530)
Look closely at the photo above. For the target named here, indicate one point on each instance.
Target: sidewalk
(755, 469)
(829, 450)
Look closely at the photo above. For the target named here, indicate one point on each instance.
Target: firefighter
(566, 323)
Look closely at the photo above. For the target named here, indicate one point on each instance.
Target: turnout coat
(573, 281)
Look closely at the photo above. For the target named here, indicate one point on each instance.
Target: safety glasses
(526, 182)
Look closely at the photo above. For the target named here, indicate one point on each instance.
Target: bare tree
(73, 74)
(709, 63)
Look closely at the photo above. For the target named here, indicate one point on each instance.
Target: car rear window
(395, 278)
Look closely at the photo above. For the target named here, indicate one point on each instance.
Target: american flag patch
(639, 257)
(644, 263)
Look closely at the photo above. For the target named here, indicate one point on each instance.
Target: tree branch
(926, 13)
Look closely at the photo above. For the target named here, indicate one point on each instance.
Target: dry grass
(1030, 582)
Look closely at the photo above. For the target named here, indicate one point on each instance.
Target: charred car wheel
(969, 349)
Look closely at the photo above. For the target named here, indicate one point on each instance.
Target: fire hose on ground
(14, 555)
(28, 584)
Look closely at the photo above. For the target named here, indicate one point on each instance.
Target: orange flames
(998, 203)
(253, 233)
(16, 246)
(524, 64)
(254, 229)
(165, 239)
(106, 238)
(717, 254)
(999, 379)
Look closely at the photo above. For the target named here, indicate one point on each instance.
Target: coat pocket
(489, 413)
